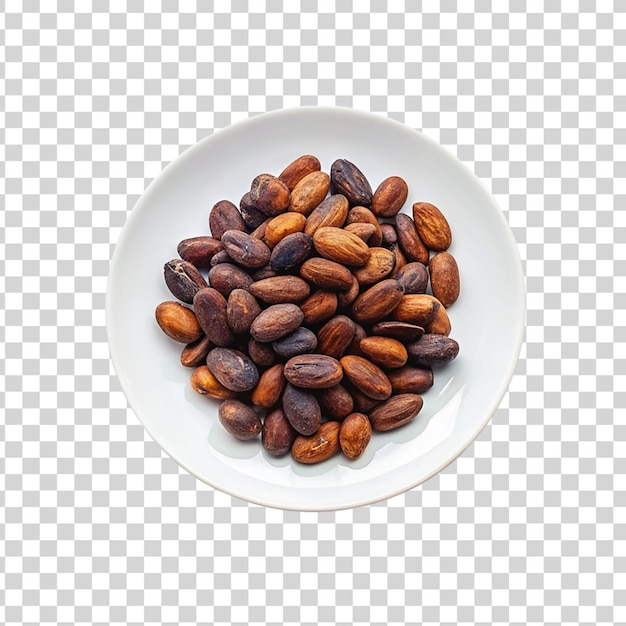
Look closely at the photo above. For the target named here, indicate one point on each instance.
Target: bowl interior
(487, 320)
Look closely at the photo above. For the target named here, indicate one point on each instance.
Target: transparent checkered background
(98, 526)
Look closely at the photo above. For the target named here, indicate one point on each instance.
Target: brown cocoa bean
(194, 354)
(233, 369)
(389, 235)
(262, 274)
(355, 347)
(444, 278)
(199, 250)
(275, 322)
(384, 351)
(354, 435)
(348, 180)
(245, 249)
(335, 336)
(410, 379)
(300, 341)
(362, 215)
(402, 331)
(290, 252)
(241, 310)
(362, 403)
(341, 246)
(400, 259)
(309, 192)
(251, 216)
(440, 324)
(389, 197)
(301, 409)
(280, 289)
(298, 169)
(220, 257)
(278, 434)
(203, 382)
(414, 278)
(362, 230)
(379, 266)
(346, 298)
(327, 274)
(239, 420)
(395, 412)
(261, 354)
(319, 306)
(211, 310)
(366, 377)
(270, 387)
(432, 350)
(178, 322)
(416, 308)
(332, 211)
(409, 240)
(313, 371)
(269, 195)
(225, 216)
(225, 277)
(336, 402)
(282, 225)
(432, 227)
(377, 302)
(183, 279)
(319, 446)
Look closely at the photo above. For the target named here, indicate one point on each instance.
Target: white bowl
(487, 320)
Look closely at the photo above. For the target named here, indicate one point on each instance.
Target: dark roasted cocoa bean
(225, 277)
(239, 420)
(336, 402)
(183, 279)
(194, 354)
(233, 369)
(301, 409)
(241, 310)
(414, 278)
(225, 216)
(396, 412)
(403, 331)
(432, 350)
(245, 249)
(210, 307)
(278, 434)
(199, 250)
(290, 252)
(348, 180)
(300, 341)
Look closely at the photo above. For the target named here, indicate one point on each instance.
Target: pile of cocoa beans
(313, 325)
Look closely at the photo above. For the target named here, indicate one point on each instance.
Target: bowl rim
(250, 122)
